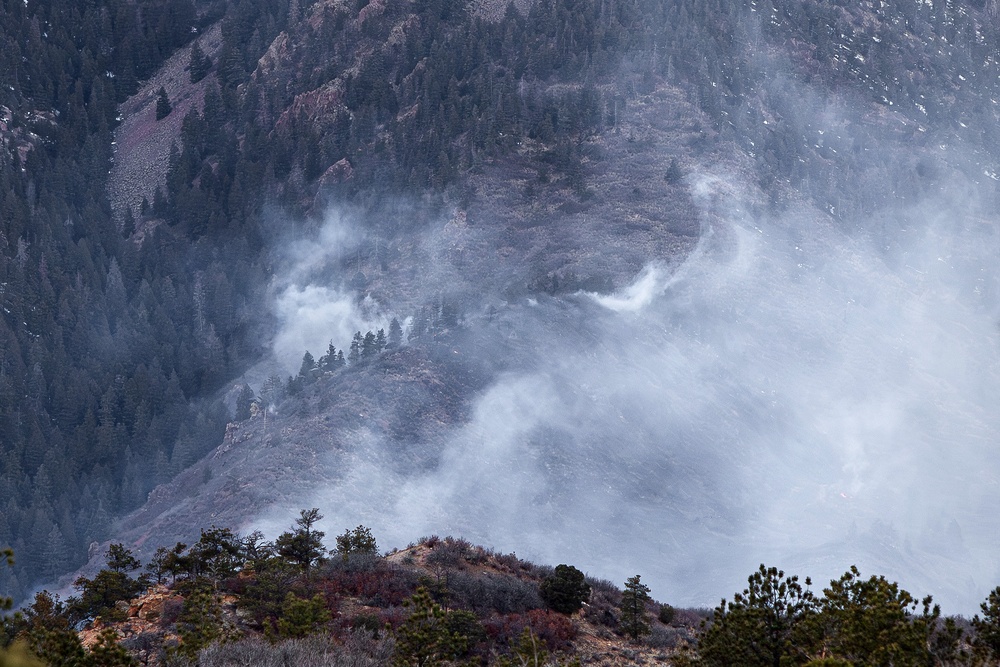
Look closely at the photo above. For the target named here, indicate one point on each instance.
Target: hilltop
(219, 608)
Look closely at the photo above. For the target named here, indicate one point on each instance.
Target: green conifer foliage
(304, 545)
(425, 640)
(163, 106)
(987, 626)
(565, 591)
(633, 608)
(356, 542)
(762, 625)
(300, 618)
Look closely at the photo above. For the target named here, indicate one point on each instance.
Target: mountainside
(677, 287)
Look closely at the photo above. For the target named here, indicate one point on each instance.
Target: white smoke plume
(791, 394)
(312, 308)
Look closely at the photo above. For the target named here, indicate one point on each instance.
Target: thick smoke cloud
(791, 393)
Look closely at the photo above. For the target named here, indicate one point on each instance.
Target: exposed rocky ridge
(410, 395)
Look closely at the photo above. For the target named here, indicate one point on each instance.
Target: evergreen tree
(199, 64)
(307, 370)
(565, 590)
(395, 333)
(368, 346)
(300, 618)
(762, 626)
(425, 640)
(303, 546)
(633, 608)
(216, 554)
(873, 622)
(987, 627)
(244, 400)
(157, 565)
(328, 361)
(356, 542)
(200, 623)
(120, 559)
(163, 106)
(356, 344)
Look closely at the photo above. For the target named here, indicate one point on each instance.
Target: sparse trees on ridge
(280, 593)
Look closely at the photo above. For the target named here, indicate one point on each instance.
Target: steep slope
(680, 277)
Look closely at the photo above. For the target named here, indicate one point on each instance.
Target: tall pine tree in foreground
(633, 608)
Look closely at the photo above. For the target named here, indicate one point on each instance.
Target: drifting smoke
(790, 394)
(313, 310)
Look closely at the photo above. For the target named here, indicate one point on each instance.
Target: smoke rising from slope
(790, 394)
(312, 309)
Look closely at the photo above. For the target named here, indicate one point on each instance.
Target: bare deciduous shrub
(499, 593)
(359, 649)
(665, 637)
(602, 608)
(453, 552)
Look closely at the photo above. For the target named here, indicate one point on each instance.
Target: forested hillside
(115, 344)
(101, 357)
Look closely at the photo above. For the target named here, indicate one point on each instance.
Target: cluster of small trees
(274, 593)
(363, 347)
(776, 621)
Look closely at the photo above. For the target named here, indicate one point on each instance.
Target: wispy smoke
(791, 394)
(312, 308)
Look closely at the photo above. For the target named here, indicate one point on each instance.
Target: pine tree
(633, 608)
(199, 64)
(424, 640)
(302, 546)
(566, 590)
(368, 346)
(200, 623)
(760, 627)
(163, 106)
(356, 343)
(395, 333)
(243, 403)
(307, 369)
(987, 641)
(300, 618)
(356, 542)
(329, 360)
